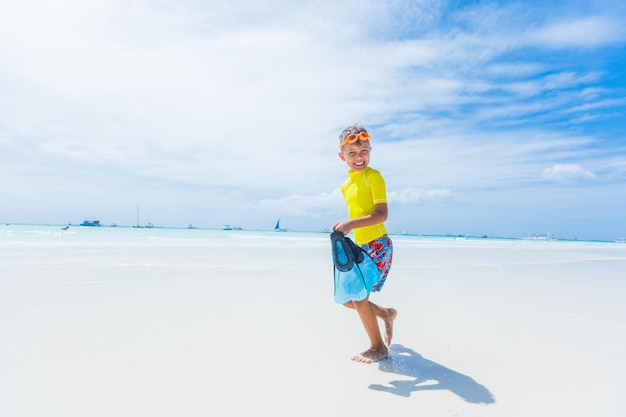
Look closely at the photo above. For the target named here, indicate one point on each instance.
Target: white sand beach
(105, 322)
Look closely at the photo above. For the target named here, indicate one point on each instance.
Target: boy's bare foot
(371, 355)
(393, 313)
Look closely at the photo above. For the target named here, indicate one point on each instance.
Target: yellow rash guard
(362, 190)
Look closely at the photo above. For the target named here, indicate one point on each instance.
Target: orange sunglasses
(354, 137)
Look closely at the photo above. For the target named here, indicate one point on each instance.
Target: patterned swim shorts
(381, 251)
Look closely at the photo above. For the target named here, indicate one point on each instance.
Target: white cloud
(302, 205)
(565, 172)
(419, 196)
(587, 31)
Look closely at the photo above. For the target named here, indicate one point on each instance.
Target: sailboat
(138, 226)
(277, 227)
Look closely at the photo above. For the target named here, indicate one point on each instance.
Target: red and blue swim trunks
(381, 252)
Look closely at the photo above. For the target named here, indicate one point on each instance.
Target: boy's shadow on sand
(428, 376)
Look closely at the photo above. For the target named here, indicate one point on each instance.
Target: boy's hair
(357, 128)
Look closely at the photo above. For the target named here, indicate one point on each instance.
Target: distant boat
(139, 226)
(229, 227)
(277, 228)
(91, 223)
(539, 236)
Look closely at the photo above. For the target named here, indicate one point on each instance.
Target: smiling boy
(365, 195)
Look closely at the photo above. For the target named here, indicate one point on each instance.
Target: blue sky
(488, 118)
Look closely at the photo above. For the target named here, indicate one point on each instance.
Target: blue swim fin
(342, 254)
(355, 273)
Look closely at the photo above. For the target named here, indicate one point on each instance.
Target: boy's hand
(343, 226)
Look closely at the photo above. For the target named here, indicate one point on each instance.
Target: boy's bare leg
(387, 315)
(377, 351)
(391, 315)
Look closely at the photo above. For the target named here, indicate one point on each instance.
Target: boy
(365, 195)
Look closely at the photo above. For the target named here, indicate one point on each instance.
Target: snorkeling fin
(342, 253)
(355, 273)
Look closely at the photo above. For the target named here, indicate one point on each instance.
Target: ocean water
(29, 246)
(35, 256)
(47, 256)
(21, 243)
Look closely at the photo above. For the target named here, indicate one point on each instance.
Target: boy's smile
(356, 156)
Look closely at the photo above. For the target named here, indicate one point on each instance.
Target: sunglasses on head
(354, 137)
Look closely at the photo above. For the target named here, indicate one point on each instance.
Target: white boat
(539, 236)
(229, 227)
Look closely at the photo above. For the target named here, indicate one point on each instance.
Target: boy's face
(356, 155)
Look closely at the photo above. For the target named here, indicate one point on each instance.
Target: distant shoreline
(66, 226)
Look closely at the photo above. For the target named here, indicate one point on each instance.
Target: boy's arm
(378, 216)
